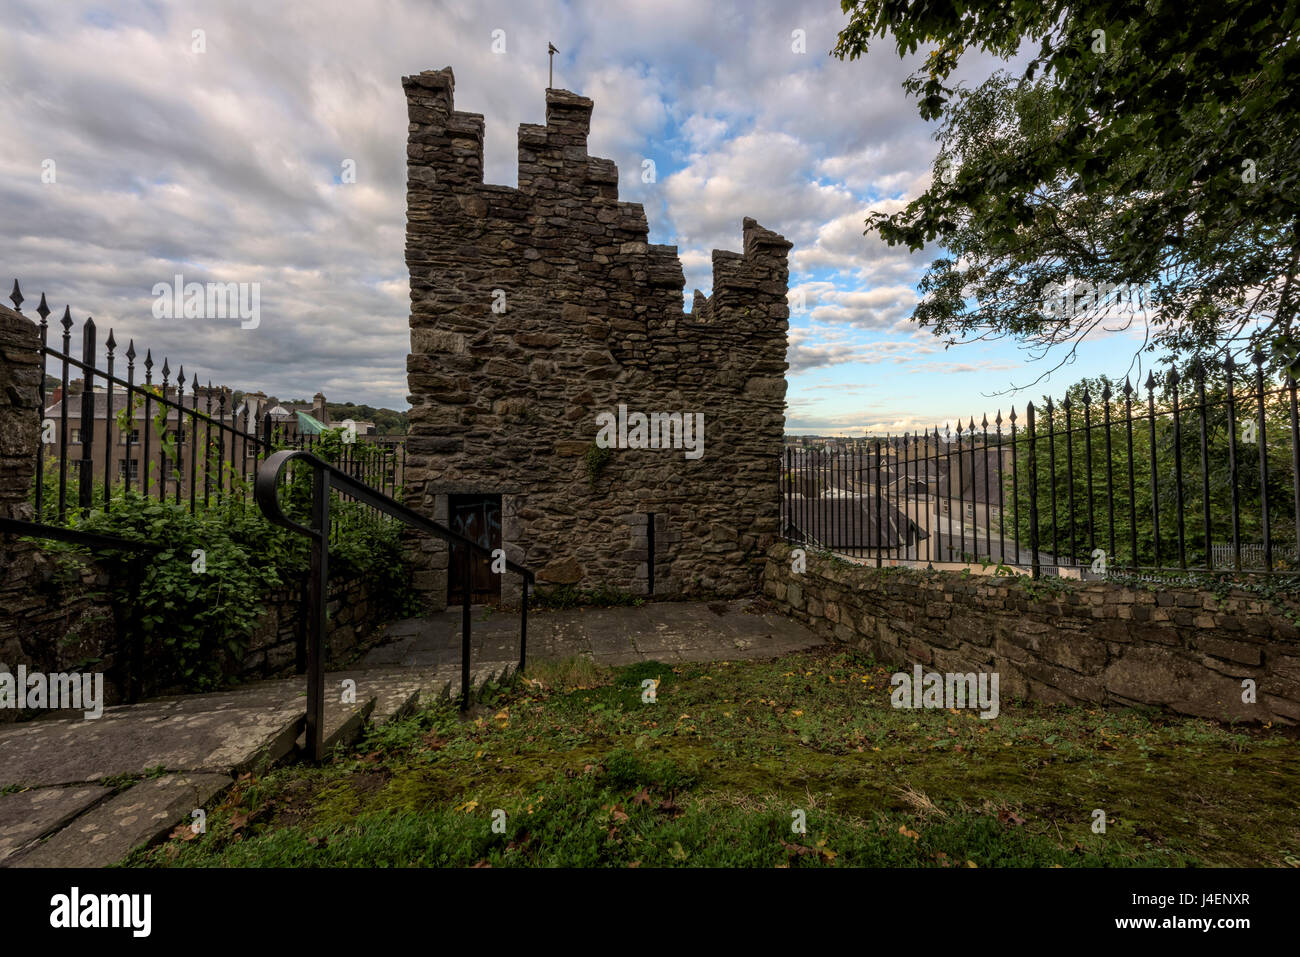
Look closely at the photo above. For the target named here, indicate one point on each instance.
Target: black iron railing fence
(176, 439)
(1200, 474)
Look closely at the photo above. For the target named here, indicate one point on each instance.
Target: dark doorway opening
(478, 518)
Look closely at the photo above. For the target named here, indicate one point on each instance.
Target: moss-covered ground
(801, 761)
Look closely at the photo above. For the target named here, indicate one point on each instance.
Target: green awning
(310, 426)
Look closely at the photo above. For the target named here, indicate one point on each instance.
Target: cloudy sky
(225, 165)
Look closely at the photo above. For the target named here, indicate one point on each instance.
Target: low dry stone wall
(1183, 649)
(273, 649)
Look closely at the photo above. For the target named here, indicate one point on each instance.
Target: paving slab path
(84, 793)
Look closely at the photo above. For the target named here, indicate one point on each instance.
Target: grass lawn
(731, 755)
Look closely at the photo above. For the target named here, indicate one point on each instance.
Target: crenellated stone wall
(533, 310)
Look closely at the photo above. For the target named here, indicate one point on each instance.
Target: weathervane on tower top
(550, 53)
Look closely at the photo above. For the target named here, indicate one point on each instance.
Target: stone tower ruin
(536, 309)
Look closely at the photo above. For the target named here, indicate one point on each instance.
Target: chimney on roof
(318, 408)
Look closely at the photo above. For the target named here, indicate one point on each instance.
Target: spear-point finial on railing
(66, 321)
(1106, 393)
(1087, 397)
(180, 377)
(1257, 358)
(110, 343)
(16, 297)
(985, 421)
(1128, 388)
(42, 310)
(165, 371)
(1013, 415)
(1174, 378)
(1067, 403)
(1049, 405)
(1151, 380)
(997, 420)
(148, 361)
(972, 424)
(130, 350)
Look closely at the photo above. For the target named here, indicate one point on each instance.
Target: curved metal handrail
(266, 495)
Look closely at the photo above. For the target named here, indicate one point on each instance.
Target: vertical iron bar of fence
(166, 411)
(43, 311)
(221, 446)
(207, 448)
(465, 579)
(86, 471)
(880, 528)
(914, 480)
(1068, 405)
(905, 484)
(110, 344)
(1132, 490)
(805, 502)
(988, 494)
(1155, 481)
(1015, 487)
(1174, 381)
(180, 431)
(961, 496)
(855, 520)
(234, 446)
(1228, 366)
(1263, 464)
(931, 515)
(1106, 395)
(1295, 456)
(147, 424)
(785, 500)
(1002, 499)
(66, 322)
(1051, 479)
(1205, 462)
(837, 480)
(947, 455)
(1087, 455)
(317, 600)
(194, 442)
(130, 412)
(1032, 478)
(245, 435)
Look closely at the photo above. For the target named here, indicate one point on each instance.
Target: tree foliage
(1147, 144)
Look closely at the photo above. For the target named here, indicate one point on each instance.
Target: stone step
(110, 829)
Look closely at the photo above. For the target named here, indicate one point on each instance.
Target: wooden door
(478, 518)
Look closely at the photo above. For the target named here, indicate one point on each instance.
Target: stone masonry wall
(505, 402)
(1177, 648)
(52, 614)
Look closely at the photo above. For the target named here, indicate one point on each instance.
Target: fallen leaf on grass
(671, 807)
(185, 832)
(1010, 818)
